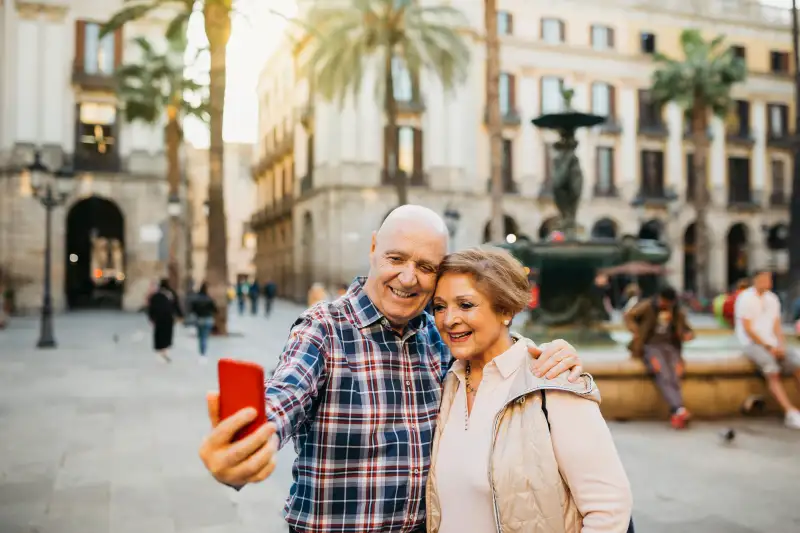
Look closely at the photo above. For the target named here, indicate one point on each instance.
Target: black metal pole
(46, 337)
(794, 203)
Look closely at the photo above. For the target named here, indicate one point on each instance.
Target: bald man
(357, 389)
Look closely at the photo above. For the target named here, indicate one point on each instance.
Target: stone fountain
(565, 268)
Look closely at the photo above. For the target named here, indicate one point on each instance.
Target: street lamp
(52, 190)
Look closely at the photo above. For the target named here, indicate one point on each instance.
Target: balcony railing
(95, 81)
(781, 140)
(612, 125)
(510, 117)
(94, 162)
(778, 199)
(415, 105)
(740, 136)
(653, 128)
(743, 198)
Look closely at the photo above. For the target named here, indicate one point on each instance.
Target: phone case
(241, 384)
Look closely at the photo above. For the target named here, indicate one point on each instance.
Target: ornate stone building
(315, 221)
(57, 97)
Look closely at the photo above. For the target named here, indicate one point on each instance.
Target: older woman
(551, 462)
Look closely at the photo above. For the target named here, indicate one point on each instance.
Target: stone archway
(548, 226)
(95, 254)
(307, 241)
(651, 230)
(510, 230)
(738, 257)
(605, 228)
(689, 259)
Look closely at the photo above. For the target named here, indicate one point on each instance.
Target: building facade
(240, 202)
(57, 97)
(636, 166)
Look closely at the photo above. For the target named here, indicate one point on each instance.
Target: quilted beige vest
(528, 493)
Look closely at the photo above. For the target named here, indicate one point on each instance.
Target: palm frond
(135, 9)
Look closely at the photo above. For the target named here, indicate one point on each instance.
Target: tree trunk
(218, 30)
(794, 203)
(390, 109)
(494, 123)
(701, 197)
(173, 135)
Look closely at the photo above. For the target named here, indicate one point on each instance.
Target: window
(739, 180)
(96, 143)
(779, 62)
(777, 120)
(552, 101)
(652, 173)
(602, 99)
(605, 171)
(401, 78)
(505, 23)
(602, 37)
(508, 166)
(648, 42)
(507, 93)
(739, 119)
(649, 111)
(690, 177)
(409, 151)
(777, 197)
(739, 51)
(552, 31)
(94, 55)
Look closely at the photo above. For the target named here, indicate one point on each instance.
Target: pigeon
(727, 435)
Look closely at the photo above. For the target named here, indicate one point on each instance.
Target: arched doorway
(548, 226)
(95, 255)
(510, 230)
(605, 228)
(738, 260)
(689, 259)
(651, 230)
(308, 254)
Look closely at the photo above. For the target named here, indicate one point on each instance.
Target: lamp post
(52, 190)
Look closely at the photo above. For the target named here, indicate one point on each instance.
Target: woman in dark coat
(162, 310)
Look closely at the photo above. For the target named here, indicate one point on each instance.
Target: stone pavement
(99, 436)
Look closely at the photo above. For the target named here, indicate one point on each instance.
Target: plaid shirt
(361, 402)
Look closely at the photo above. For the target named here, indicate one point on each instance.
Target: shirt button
(413, 426)
(416, 470)
(408, 383)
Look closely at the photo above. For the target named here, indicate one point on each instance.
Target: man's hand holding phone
(238, 462)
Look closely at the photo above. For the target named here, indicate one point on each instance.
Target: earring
(506, 322)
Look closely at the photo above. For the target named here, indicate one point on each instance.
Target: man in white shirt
(758, 328)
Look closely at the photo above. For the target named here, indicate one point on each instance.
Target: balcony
(743, 199)
(605, 191)
(653, 128)
(741, 136)
(259, 219)
(656, 197)
(93, 81)
(688, 135)
(612, 126)
(96, 162)
(510, 117)
(783, 140)
(509, 185)
(416, 179)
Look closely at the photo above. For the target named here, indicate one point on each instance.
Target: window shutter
(418, 151)
(80, 44)
(512, 91)
(509, 163)
(118, 48)
(597, 170)
(510, 23)
(612, 101)
(610, 37)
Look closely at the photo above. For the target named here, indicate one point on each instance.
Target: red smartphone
(241, 384)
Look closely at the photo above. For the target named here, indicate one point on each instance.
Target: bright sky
(255, 34)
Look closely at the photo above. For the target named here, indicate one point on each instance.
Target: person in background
(270, 292)
(316, 294)
(729, 307)
(760, 332)
(204, 310)
(550, 457)
(242, 291)
(660, 328)
(162, 310)
(254, 294)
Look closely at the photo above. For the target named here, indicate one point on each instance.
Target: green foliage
(707, 72)
(136, 9)
(349, 38)
(157, 81)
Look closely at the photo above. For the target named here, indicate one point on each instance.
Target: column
(528, 166)
(674, 176)
(717, 163)
(628, 149)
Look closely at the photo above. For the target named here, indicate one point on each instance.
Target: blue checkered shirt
(360, 402)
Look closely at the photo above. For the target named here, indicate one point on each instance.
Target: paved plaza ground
(98, 436)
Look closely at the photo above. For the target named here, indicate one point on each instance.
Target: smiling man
(358, 388)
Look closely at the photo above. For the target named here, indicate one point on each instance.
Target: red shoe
(681, 418)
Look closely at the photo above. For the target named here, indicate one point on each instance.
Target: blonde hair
(498, 275)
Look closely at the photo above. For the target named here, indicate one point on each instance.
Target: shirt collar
(365, 313)
(507, 362)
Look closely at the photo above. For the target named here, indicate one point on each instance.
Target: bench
(711, 389)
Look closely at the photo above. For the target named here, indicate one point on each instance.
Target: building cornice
(50, 10)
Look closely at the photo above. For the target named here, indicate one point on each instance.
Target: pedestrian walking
(358, 388)
(163, 308)
(241, 294)
(204, 310)
(254, 293)
(270, 292)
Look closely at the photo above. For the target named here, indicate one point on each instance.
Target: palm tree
(154, 90)
(701, 85)
(350, 37)
(794, 204)
(217, 19)
(494, 120)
